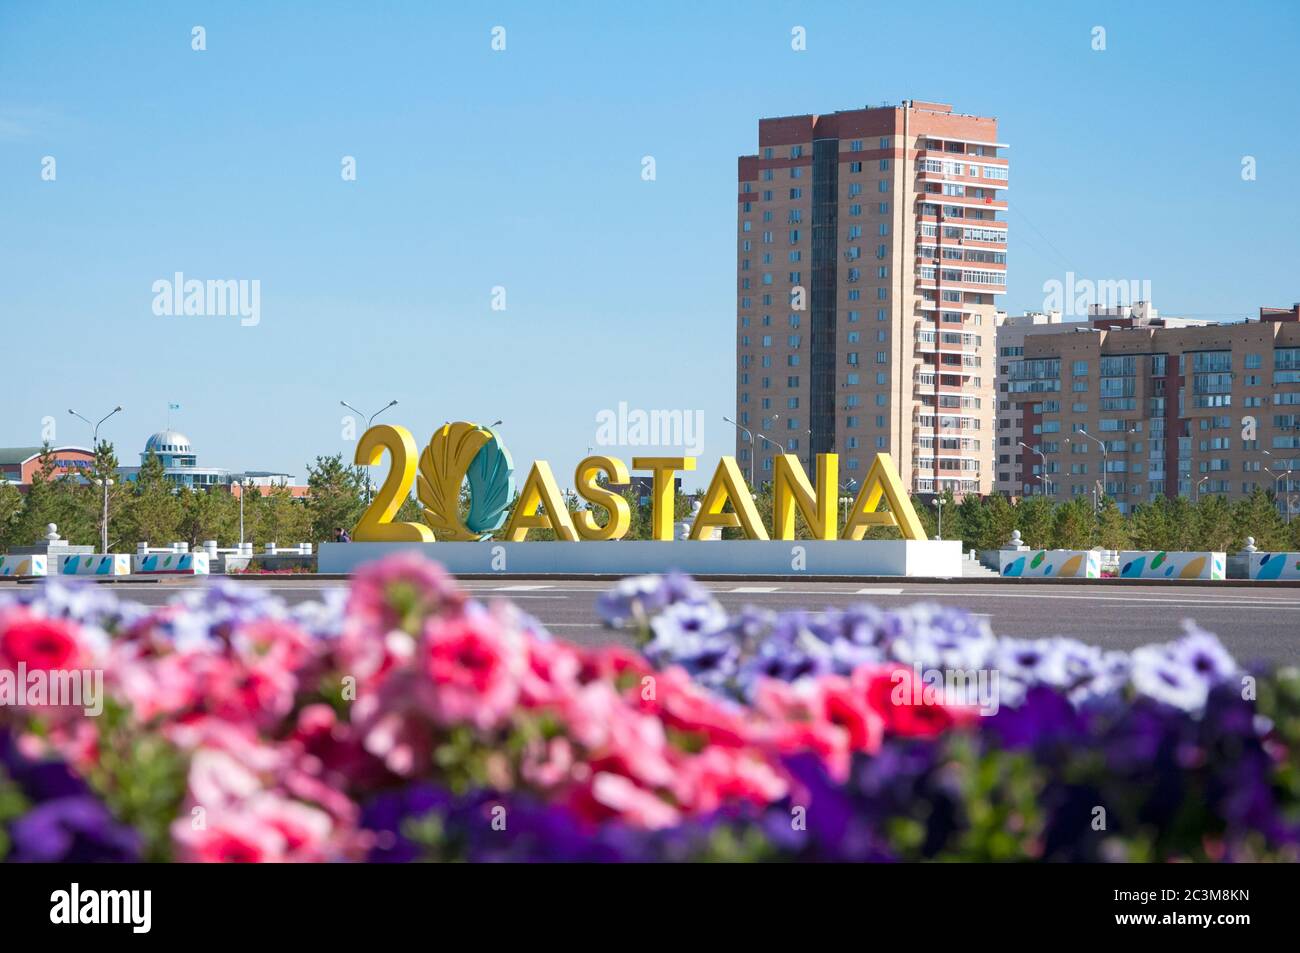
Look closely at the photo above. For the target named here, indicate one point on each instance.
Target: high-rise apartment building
(1137, 406)
(869, 256)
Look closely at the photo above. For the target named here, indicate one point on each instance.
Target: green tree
(1214, 527)
(1257, 516)
(283, 519)
(40, 505)
(1072, 524)
(337, 497)
(1182, 524)
(11, 512)
(976, 522)
(1150, 524)
(1110, 529)
(253, 506)
(1034, 519)
(1001, 520)
(928, 516)
(154, 513)
(104, 469)
(411, 511)
(208, 514)
(952, 516)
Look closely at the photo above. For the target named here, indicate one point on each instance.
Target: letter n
(791, 489)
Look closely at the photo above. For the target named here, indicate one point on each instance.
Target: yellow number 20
(376, 524)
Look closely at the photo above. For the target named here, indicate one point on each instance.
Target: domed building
(180, 464)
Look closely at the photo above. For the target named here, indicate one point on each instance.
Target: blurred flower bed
(404, 721)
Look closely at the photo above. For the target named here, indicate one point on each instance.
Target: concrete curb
(107, 581)
(271, 579)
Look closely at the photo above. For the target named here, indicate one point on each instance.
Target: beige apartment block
(869, 256)
(1137, 406)
(1011, 333)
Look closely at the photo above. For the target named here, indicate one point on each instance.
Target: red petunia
(39, 643)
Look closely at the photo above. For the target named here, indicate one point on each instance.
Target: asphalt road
(1255, 623)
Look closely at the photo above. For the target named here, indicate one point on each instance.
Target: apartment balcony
(964, 201)
(934, 284)
(974, 181)
(933, 347)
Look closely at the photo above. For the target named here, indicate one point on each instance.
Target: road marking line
(1149, 600)
(878, 591)
(752, 589)
(517, 588)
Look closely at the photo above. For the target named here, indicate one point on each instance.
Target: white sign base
(740, 557)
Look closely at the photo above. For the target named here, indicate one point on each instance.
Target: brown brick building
(869, 254)
(1142, 406)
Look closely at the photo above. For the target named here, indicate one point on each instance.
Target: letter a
(540, 488)
(882, 481)
(728, 484)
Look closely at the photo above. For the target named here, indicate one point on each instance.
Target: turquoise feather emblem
(491, 487)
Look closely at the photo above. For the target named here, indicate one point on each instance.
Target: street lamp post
(767, 440)
(1286, 507)
(1200, 484)
(1102, 444)
(105, 481)
(753, 447)
(1042, 477)
(938, 502)
(369, 421)
(847, 498)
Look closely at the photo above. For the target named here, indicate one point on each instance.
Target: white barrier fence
(1053, 563)
(1275, 565)
(14, 566)
(95, 564)
(1153, 564)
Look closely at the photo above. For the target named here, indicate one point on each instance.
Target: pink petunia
(475, 669)
(613, 796)
(551, 673)
(401, 592)
(717, 776)
(683, 705)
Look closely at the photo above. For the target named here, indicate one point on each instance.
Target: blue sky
(522, 169)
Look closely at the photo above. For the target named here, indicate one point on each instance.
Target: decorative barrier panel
(1149, 564)
(172, 564)
(22, 565)
(1275, 565)
(1041, 563)
(112, 564)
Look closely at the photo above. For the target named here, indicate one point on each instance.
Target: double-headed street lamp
(1042, 476)
(1102, 444)
(848, 490)
(938, 502)
(753, 447)
(1286, 507)
(369, 420)
(105, 482)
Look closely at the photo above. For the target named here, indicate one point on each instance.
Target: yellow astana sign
(465, 457)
